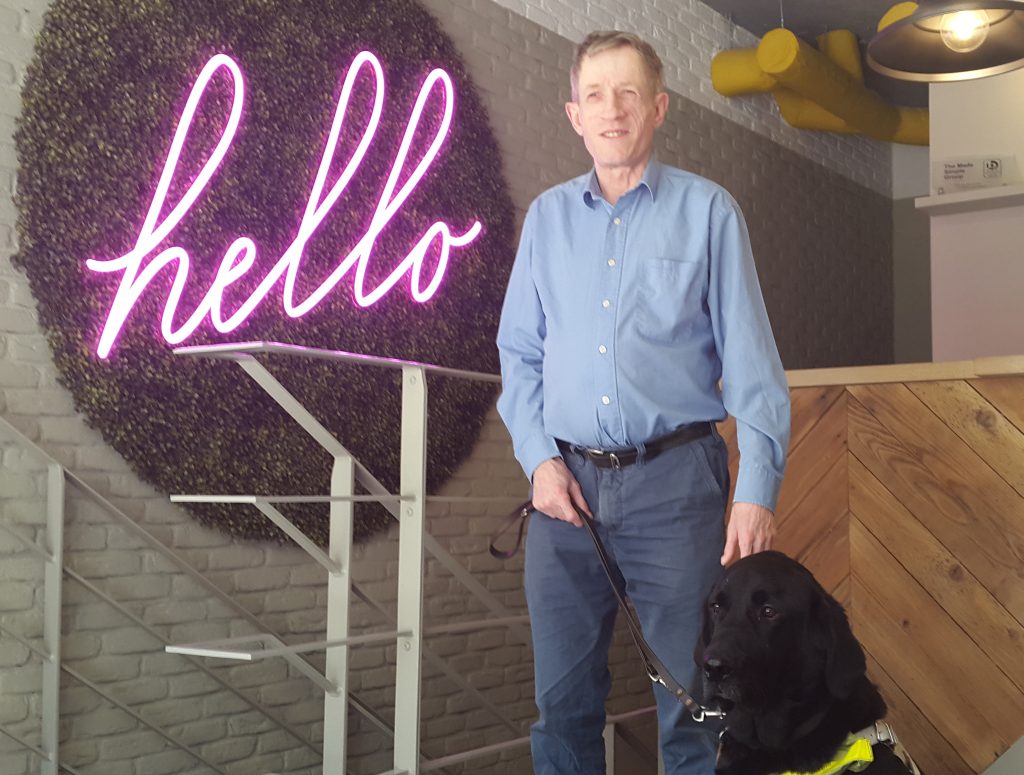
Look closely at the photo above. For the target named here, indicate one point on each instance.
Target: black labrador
(778, 656)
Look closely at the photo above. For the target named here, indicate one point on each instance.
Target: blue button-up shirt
(620, 321)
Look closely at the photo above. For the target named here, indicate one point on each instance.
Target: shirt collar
(652, 176)
(649, 181)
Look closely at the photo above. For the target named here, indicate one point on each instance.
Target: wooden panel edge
(906, 372)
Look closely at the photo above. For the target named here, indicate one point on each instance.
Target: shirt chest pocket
(671, 298)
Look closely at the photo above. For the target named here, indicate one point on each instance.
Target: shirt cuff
(755, 484)
(535, 451)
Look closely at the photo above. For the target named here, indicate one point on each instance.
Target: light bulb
(964, 31)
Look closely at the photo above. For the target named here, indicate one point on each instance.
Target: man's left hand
(751, 529)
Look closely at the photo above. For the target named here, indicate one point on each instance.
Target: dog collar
(854, 755)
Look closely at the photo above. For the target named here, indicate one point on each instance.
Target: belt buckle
(613, 459)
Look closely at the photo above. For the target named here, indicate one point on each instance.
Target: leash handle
(519, 514)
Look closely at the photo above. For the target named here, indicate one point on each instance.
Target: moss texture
(100, 104)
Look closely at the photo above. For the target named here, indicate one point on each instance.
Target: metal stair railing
(58, 478)
(408, 507)
(48, 652)
(406, 629)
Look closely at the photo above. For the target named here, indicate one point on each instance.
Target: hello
(140, 266)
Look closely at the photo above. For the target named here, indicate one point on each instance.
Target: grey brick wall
(687, 35)
(820, 230)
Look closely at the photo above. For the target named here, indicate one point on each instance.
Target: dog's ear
(703, 637)
(844, 658)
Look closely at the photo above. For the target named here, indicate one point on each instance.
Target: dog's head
(772, 638)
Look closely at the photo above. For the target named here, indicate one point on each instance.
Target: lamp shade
(946, 40)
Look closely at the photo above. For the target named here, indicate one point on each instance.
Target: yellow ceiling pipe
(806, 71)
(819, 89)
(801, 113)
(735, 72)
(842, 48)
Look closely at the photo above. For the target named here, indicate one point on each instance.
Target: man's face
(618, 109)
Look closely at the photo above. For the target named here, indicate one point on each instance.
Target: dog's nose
(715, 669)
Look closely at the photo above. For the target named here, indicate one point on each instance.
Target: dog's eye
(767, 612)
(716, 608)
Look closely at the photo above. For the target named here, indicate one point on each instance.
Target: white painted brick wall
(687, 34)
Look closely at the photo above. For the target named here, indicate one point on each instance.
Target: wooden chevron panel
(960, 691)
(936, 477)
(979, 424)
(812, 512)
(1004, 393)
(932, 752)
(926, 560)
(906, 499)
(945, 484)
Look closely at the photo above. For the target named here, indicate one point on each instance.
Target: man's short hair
(596, 42)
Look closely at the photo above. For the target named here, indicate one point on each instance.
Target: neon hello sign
(139, 266)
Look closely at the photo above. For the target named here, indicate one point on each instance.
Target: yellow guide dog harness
(855, 754)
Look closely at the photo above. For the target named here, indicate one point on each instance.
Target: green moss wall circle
(101, 101)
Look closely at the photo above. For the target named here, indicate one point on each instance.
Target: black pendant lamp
(949, 40)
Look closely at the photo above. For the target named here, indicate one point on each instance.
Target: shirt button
(617, 221)
(602, 349)
(605, 400)
(606, 304)
(611, 262)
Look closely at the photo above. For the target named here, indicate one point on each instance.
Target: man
(633, 292)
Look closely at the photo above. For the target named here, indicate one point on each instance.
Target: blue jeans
(662, 523)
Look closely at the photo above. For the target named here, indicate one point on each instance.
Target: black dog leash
(519, 514)
(655, 668)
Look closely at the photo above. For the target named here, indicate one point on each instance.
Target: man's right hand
(555, 490)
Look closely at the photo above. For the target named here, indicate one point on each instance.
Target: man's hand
(751, 530)
(555, 490)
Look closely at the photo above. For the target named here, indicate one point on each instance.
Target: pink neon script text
(240, 256)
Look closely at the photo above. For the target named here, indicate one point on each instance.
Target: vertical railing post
(339, 585)
(53, 577)
(408, 661)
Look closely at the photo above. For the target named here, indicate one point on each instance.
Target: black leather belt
(626, 456)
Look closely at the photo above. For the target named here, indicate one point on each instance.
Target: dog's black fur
(779, 657)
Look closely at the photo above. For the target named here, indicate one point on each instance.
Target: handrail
(13, 635)
(26, 744)
(141, 719)
(234, 351)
